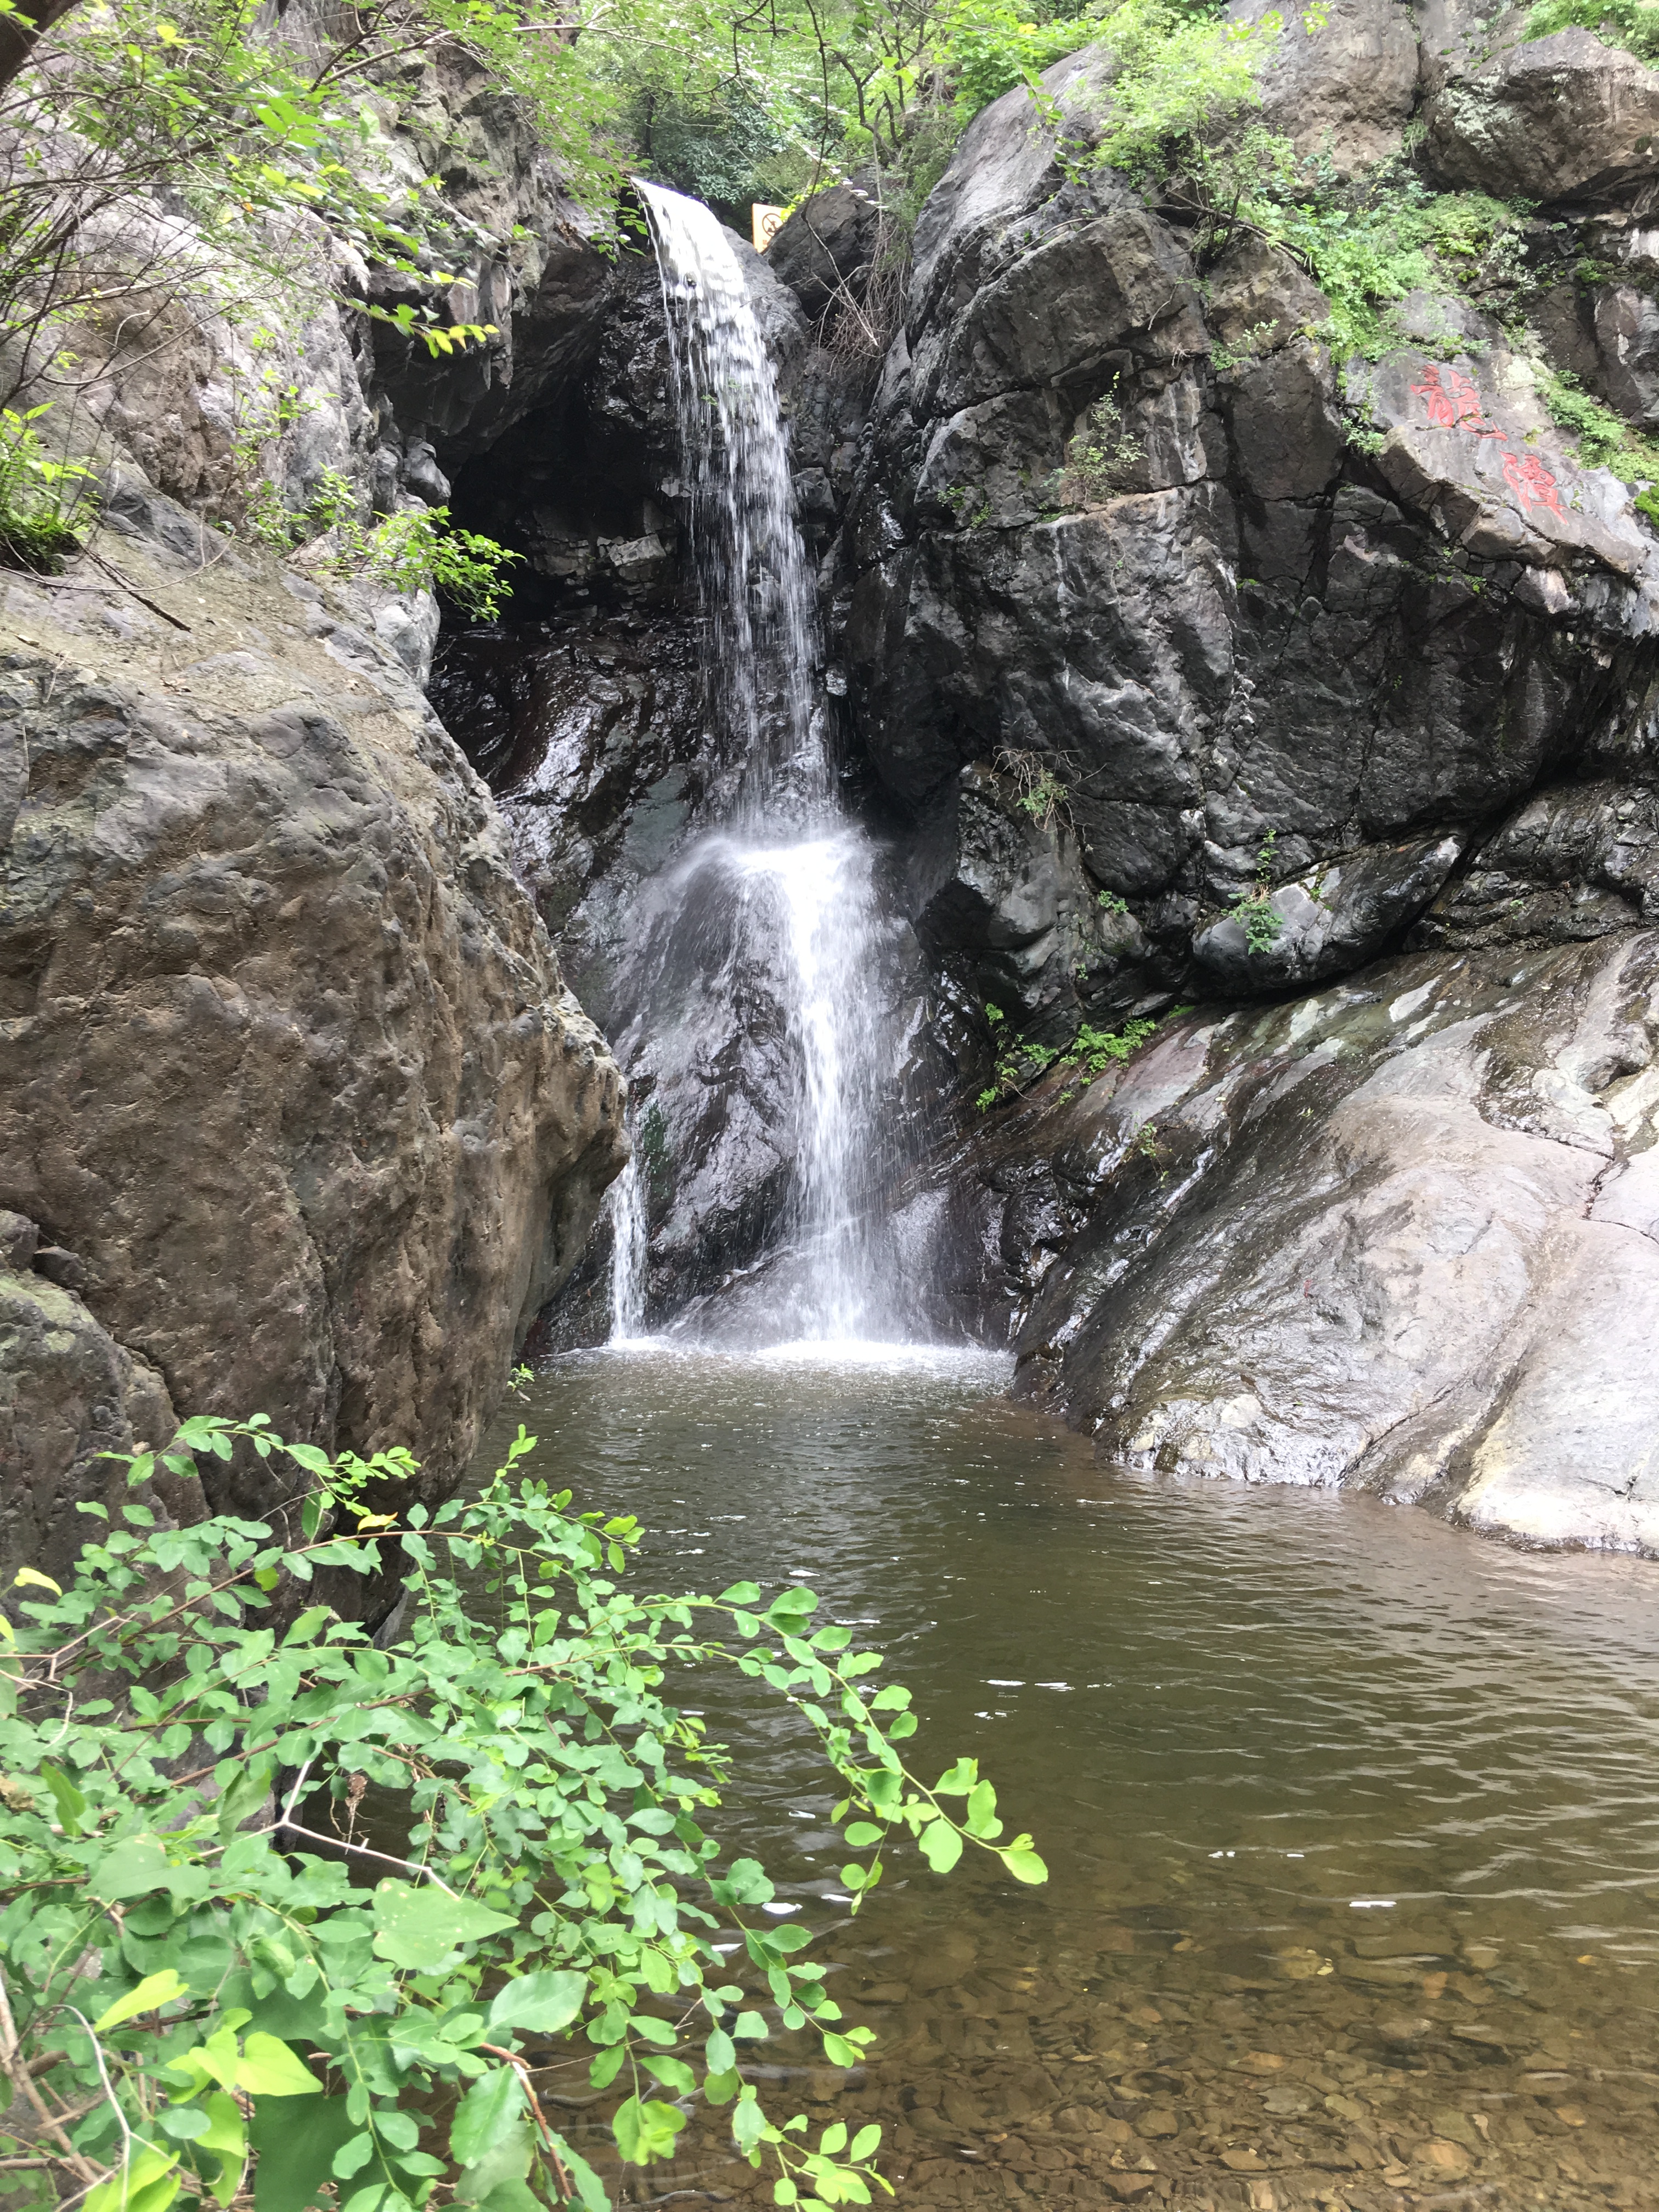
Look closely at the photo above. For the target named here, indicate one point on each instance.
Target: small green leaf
(64, 1796)
(486, 2115)
(540, 2004)
(941, 1846)
(646, 2130)
(353, 2156)
(1025, 1866)
(673, 2073)
(865, 2142)
(421, 1928)
(268, 2069)
(153, 1992)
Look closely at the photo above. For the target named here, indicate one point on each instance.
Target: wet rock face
(1275, 624)
(1398, 1235)
(289, 1080)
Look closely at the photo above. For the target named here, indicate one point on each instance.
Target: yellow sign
(768, 222)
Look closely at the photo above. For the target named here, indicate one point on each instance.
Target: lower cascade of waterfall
(770, 916)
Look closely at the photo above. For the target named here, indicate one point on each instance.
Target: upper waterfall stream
(774, 903)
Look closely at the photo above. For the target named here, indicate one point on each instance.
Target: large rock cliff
(297, 1114)
(1336, 669)
(1177, 658)
(1181, 659)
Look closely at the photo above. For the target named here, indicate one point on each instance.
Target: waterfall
(760, 634)
(773, 906)
(625, 1205)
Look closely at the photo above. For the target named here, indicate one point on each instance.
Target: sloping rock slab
(1401, 1237)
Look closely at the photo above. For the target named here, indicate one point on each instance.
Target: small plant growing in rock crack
(1253, 909)
(959, 498)
(1038, 791)
(416, 551)
(45, 503)
(1147, 1146)
(189, 1990)
(1102, 454)
(1089, 1054)
(1252, 344)
(1109, 902)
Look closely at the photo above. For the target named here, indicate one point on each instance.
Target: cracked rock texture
(296, 1109)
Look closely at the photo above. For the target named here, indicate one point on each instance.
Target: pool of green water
(1352, 1819)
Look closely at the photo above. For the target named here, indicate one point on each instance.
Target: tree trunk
(19, 32)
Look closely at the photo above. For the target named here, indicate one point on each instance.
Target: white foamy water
(754, 584)
(782, 888)
(625, 1205)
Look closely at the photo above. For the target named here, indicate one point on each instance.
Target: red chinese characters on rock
(1451, 401)
(1531, 481)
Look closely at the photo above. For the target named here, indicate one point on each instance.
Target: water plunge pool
(1351, 1817)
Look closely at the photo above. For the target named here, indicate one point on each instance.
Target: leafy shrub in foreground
(45, 503)
(187, 1989)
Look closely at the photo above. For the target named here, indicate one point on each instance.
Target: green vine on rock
(188, 1984)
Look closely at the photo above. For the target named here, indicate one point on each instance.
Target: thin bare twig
(11, 2058)
(560, 2175)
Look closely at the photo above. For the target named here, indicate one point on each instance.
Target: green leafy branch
(43, 500)
(417, 550)
(178, 1724)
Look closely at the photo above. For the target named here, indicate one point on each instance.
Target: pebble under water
(1351, 1817)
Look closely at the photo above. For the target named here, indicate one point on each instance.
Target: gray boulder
(1556, 118)
(1339, 915)
(1343, 89)
(69, 1394)
(825, 249)
(286, 1062)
